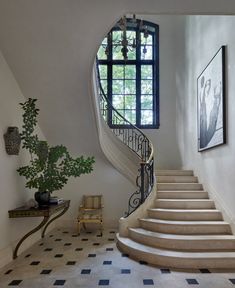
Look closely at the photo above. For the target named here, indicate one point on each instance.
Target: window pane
(116, 119)
(130, 86)
(118, 87)
(118, 102)
(130, 72)
(148, 40)
(146, 87)
(149, 53)
(104, 85)
(131, 55)
(146, 102)
(117, 54)
(146, 117)
(103, 71)
(101, 53)
(146, 72)
(118, 71)
(130, 102)
(117, 36)
(130, 115)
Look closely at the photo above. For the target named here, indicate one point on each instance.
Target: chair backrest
(93, 201)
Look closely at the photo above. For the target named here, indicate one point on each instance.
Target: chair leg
(84, 226)
(101, 228)
(79, 227)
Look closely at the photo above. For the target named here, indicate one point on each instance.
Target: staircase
(183, 229)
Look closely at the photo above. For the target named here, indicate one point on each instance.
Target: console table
(45, 211)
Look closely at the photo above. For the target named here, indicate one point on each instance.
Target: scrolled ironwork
(137, 141)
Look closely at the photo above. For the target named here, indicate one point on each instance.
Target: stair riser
(186, 229)
(174, 173)
(179, 186)
(177, 179)
(182, 195)
(185, 204)
(186, 216)
(168, 261)
(186, 245)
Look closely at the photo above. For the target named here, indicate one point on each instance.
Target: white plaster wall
(12, 191)
(204, 35)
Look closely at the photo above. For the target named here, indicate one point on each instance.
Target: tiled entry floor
(64, 260)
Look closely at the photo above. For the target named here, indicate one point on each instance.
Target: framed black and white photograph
(211, 103)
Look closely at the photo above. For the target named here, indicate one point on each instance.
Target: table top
(40, 211)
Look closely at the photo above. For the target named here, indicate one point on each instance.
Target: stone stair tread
(192, 191)
(185, 210)
(172, 172)
(181, 236)
(193, 223)
(184, 200)
(174, 254)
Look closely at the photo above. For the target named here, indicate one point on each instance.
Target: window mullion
(138, 79)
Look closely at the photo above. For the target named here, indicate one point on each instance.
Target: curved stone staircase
(183, 230)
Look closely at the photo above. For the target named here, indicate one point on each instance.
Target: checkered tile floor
(63, 259)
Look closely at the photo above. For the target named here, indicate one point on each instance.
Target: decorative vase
(12, 141)
(43, 198)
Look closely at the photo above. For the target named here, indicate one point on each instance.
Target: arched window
(128, 60)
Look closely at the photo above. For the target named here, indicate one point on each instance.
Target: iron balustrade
(137, 141)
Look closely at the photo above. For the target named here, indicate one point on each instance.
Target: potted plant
(50, 166)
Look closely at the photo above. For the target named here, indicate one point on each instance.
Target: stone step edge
(178, 222)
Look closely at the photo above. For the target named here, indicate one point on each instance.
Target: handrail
(137, 141)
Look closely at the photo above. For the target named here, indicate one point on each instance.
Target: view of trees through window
(132, 84)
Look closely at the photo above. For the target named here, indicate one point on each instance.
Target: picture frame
(211, 103)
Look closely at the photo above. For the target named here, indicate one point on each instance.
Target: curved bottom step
(176, 259)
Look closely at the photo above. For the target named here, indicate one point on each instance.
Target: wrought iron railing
(137, 141)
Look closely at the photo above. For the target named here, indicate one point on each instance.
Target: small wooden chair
(90, 211)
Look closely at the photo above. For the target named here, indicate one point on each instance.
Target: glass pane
(118, 101)
(130, 102)
(146, 102)
(104, 85)
(118, 87)
(131, 55)
(103, 71)
(116, 119)
(117, 54)
(118, 71)
(146, 87)
(149, 52)
(146, 117)
(130, 72)
(148, 40)
(105, 41)
(130, 115)
(146, 72)
(101, 53)
(117, 36)
(130, 86)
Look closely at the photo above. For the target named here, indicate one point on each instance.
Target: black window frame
(153, 30)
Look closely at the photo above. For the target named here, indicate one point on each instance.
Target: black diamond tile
(14, 282)
(35, 263)
(192, 281)
(51, 236)
(109, 249)
(91, 255)
(75, 235)
(48, 249)
(41, 244)
(99, 235)
(67, 244)
(58, 239)
(96, 244)
(27, 256)
(59, 282)
(112, 232)
(8, 272)
(143, 262)
(45, 271)
(126, 271)
(148, 282)
(125, 255)
(71, 263)
(205, 271)
(111, 239)
(107, 263)
(59, 255)
(84, 239)
(86, 271)
(103, 282)
(78, 249)
(65, 232)
(232, 281)
(165, 270)
(88, 232)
